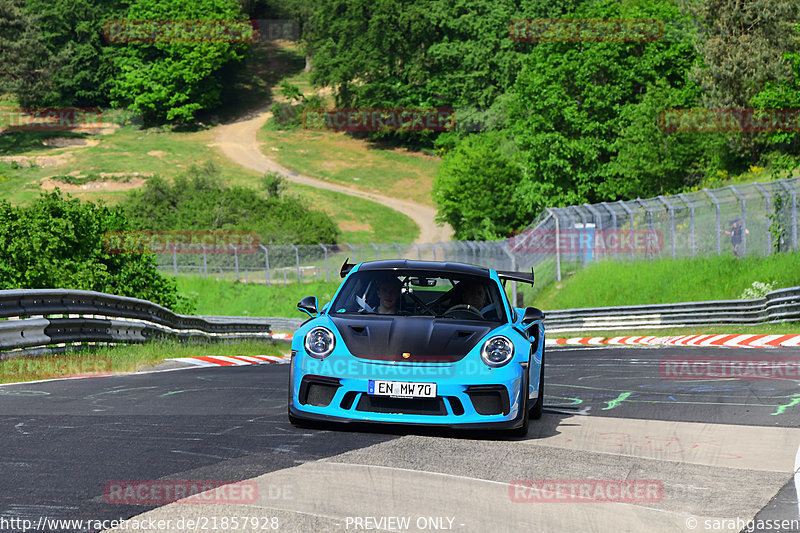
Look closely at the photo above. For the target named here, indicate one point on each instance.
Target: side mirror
(532, 315)
(308, 305)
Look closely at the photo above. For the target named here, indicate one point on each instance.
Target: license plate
(406, 389)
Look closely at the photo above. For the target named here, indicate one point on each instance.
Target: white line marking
(200, 454)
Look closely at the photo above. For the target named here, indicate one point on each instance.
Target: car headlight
(320, 342)
(497, 351)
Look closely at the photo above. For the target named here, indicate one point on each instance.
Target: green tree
(574, 101)
(78, 64)
(784, 95)
(59, 242)
(650, 159)
(477, 189)
(173, 79)
(24, 61)
(419, 52)
(744, 48)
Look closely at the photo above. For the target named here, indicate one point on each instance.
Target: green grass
(360, 221)
(783, 328)
(609, 283)
(342, 159)
(251, 299)
(123, 358)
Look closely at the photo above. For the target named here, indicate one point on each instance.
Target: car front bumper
(469, 394)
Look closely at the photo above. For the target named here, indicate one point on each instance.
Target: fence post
(236, 260)
(352, 251)
(716, 207)
(266, 264)
(205, 261)
(399, 250)
(793, 193)
(690, 205)
(585, 252)
(174, 259)
(462, 245)
(297, 262)
(325, 249)
(376, 250)
(652, 227)
(554, 213)
(419, 252)
(629, 211)
(613, 221)
(598, 226)
(744, 219)
(767, 202)
(671, 222)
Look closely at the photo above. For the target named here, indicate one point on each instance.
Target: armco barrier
(782, 305)
(47, 320)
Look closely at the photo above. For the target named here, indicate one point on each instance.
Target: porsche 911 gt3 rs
(419, 342)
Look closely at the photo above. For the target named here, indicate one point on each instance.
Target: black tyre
(522, 430)
(537, 409)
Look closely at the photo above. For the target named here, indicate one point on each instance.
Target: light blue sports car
(419, 342)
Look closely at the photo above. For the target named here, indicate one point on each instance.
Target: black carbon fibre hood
(426, 339)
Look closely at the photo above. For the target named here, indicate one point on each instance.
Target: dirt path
(238, 142)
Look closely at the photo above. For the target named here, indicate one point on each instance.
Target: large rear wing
(510, 275)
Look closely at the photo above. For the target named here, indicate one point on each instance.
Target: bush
(58, 242)
(197, 201)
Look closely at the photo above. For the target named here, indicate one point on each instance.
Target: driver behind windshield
(389, 296)
(473, 294)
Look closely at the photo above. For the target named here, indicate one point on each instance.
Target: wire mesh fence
(756, 219)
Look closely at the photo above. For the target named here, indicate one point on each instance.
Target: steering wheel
(464, 311)
(365, 307)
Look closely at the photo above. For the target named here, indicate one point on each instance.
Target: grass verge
(233, 298)
(782, 328)
(101, 360)
(609, 283)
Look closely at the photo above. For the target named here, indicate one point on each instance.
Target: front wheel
(522, 430)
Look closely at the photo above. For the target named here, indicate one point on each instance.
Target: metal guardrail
(40, 321)
(48, 320)
(782, 305)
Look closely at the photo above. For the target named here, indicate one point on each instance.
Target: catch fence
(757, 219)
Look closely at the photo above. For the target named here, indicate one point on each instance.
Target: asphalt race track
(722, 452)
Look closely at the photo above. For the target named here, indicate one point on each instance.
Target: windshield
(407, 293)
